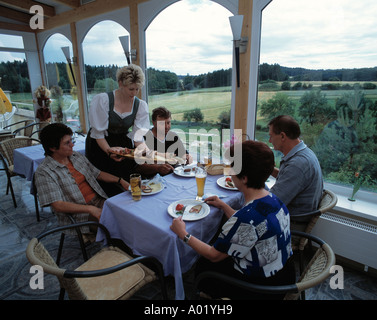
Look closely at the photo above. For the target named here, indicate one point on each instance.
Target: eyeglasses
(72, 140)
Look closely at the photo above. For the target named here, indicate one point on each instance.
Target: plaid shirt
(54, 183)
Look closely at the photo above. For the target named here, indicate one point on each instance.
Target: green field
(210, 101)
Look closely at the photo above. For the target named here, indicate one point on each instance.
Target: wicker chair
(110, 274)
(6, 155)
(19, 126)
(6, 136)
(306, 222)
(316, 271)
(27, 130)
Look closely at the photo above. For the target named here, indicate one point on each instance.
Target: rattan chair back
(316, 271)
(120, 276)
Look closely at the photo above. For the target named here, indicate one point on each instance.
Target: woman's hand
(178, 226)
(214, 201)
(114, 156)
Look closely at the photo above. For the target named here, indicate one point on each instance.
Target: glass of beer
(200, 177)
(227, 167)
(135, 182)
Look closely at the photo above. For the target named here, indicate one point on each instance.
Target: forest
(14, 77)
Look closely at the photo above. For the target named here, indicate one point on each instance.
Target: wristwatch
(186, 238)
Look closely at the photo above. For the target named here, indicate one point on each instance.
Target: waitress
(118, 120)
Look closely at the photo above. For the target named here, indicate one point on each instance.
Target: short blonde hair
(131, 74)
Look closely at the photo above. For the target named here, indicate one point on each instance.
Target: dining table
(144, 225)
(27, 159)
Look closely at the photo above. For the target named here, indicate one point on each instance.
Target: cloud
(320, 34)
(190, 37)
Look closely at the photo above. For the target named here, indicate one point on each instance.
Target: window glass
(15, 81)
(11, 41)
(189, 60)
(61, 82)
(102, 64)
(318, 64)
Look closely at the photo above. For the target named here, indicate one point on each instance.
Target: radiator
(349, 238)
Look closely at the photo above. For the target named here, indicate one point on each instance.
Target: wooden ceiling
(15, 14)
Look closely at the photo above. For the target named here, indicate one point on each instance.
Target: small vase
(356, 188)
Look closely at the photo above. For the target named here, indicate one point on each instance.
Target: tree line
(14, 76)
(280, 73)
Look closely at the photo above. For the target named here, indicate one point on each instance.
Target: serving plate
(187, 215)
(221, 183)
(156, 187)
(179, 171)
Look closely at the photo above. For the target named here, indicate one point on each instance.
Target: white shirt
(99, 118)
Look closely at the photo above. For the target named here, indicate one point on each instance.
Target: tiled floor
(18, 226)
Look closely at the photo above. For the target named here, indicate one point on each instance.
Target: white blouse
(99, 118)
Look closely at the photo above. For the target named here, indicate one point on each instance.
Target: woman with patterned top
(254, 244)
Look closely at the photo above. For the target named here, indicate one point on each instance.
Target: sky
(322, 34)
(194, 37)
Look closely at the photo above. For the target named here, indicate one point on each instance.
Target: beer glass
(200, 177)
(135, 182)
(227, 167)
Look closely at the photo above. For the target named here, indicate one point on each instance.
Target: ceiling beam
(15, 27)
(88, 10)
(25, 5)
(69, 3)
(14, 15)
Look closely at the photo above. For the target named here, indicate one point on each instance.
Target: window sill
(365, 206)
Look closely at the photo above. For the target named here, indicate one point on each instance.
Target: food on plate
(123, 152)
(180, 208)
(196, 209)
(229, 182)
(187, 170)
(146, 188)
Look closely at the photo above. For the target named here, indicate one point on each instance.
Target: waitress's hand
(113, 150)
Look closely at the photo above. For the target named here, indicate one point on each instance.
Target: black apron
(117, 137)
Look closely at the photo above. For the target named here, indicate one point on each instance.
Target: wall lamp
(240, 43)
(130, 55)
(67, 55)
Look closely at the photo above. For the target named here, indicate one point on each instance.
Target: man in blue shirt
(299, 182)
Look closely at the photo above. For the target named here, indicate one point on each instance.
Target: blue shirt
(258, 237)
(299, 183)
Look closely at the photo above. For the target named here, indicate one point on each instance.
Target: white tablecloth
(27, 159)
(145, 225)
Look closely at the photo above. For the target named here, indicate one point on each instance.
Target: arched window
(101, 62)
(318, 64)
(61, 81)
(189, 65)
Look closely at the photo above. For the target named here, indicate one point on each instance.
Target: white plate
(179, 172)
(189, 203)
(156, 188)
(221, 183)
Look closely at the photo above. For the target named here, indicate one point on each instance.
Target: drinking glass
(200, 177)
(135, 182)
(227, 167)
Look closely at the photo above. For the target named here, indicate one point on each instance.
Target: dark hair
(160, 112)
(257, 163)
(285, 124)
(51, 136)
